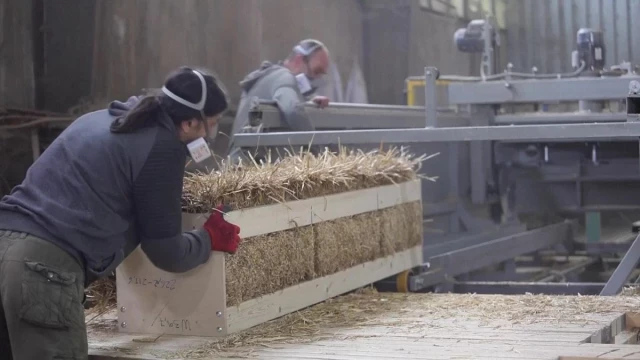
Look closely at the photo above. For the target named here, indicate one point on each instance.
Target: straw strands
(268, 263)
(413, 313)
(298, 177)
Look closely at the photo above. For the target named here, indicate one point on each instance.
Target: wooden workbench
(369, 325)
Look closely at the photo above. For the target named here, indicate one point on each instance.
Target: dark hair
(183, 83)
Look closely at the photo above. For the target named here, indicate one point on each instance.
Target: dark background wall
(94, 50)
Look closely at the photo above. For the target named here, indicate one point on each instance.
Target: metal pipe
(430, 99)
(509, 74)
(272, 105)
(559, 118)
(546, 154)
(568, 270)
(565, 132)
(359, 116)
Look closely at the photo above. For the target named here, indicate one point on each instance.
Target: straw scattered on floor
(413, 312)
(101, 295)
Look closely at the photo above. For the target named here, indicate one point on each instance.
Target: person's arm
(292, 109)
(157, 206)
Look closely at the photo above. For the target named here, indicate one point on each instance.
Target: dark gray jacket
(277, 83)
(98, 195)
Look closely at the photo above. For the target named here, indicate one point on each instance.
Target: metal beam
(519, 288)
(359, 116)
(447, 265)
(624, 270)
(452, 242)
(558, 118)
(568, 271)
(577, 132)
(526, 91)
(605, 248)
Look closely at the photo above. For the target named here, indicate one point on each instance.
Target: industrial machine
(562, 148)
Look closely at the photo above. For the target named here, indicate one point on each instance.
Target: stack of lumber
(326, 223)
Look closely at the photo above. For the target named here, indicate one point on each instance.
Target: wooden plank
(411, 326)
(449, 350)
(632, 320)
(279, 217)
(154, 301)
(297, 297)
(363, 348)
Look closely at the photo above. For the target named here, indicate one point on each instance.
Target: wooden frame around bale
(152, 301)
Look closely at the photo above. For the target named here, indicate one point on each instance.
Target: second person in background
(289, 83)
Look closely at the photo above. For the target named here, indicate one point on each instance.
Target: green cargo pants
(42, 290)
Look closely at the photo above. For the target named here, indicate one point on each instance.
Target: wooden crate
(152, 301)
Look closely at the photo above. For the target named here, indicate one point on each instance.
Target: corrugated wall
(542, 33)
(67, 48)
(17, 80)
(138, 43)
(401, 39)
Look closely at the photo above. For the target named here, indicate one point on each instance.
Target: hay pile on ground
(267, 263)
(410, 314)
(101, 295)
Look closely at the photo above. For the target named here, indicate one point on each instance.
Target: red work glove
(224, 235)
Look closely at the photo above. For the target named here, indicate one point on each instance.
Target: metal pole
(575, 132)
(35, 143)
(430, 96)
(454, 220)
(623, 271)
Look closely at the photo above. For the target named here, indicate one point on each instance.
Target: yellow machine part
(402, 281)
(412, 84)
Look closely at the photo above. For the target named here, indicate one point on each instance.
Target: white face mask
(304, 84)
(308, 86)
(199, 148)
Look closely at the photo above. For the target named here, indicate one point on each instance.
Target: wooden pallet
(152, 301)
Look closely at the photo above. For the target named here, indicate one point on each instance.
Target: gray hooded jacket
(98, 195)
(272, 82)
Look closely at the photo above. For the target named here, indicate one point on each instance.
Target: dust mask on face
(199, 148)
(308, 86)
(304, 84)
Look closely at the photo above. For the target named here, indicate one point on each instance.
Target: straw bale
(401, 227)
(266, 263)
(297, 177)
(414, 223)
(346, 242)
